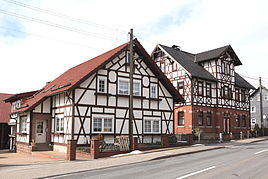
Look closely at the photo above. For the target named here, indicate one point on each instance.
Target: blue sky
(33, 53)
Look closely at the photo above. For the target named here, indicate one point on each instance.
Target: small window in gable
(102, 85)
(153, 91)
(128, 57)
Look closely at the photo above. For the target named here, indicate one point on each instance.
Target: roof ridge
(213, 49)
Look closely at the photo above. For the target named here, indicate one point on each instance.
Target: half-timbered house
(216, 97)
(93, 98)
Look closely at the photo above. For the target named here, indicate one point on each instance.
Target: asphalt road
(234, 161)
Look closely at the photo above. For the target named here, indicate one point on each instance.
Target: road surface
(234, 161)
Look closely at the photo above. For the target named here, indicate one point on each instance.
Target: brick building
(216, 97)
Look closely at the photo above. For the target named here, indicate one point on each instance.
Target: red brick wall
(191, 119)
(187, 128)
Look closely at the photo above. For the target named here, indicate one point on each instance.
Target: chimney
(176, 47)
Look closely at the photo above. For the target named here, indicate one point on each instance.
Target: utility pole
(131, 116)
(261, 108)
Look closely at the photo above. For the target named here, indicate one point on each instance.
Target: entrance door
(41, 131)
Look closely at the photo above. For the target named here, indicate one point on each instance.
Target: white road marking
(260, 151)
(197, 172)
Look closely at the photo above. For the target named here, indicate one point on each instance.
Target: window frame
(181, 120)
(251, 121)
(208, 90)
(152, 122)
(59, 124)
(139, 92)
(238, 121)
(243, 95)
(209, 118)
(237, 95)
(23, 124)
(151, 90)
(103, 127)
(101, 78)
(251, 109)
(244, 121)
(200, 116)
(124, 81)
(200, 92)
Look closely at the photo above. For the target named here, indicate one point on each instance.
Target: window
(151, 125)
(107, 125)
(162, 65)
(244, 123)
(222, 67)
(174, 66)
(128, 57)
(265, 98)
(253, 121)
(209, 116)
(97, 124)
(258, 97)
(200, 118)
(230, 96)
(208, 89)
(238, 120)
(180, 86)
(225, 92)
(237, 98)
(253, 109)
(200, 88)
(181, 118)
(103, 124)
(153, 91)
(40, 127)
(123, 87)
(102, 85)
(136, 88)
(227, 66)
(59, 126)
(23, 124)
(243, 95)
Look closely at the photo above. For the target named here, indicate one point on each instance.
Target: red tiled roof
(74, 76)
(70, 78)
(5, 108)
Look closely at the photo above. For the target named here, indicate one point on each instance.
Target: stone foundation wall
(23, 148)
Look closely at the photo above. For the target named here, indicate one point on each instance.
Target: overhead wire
(72, 29)
(50, 38)
(64, 16)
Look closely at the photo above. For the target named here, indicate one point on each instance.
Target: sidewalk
(57, 167)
